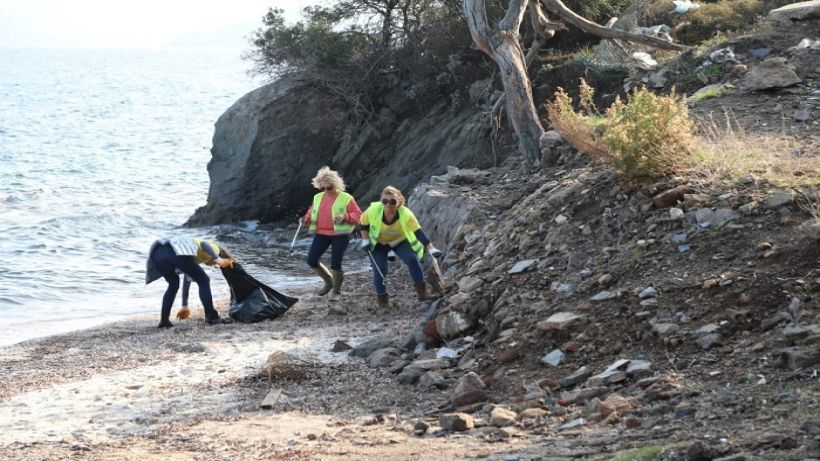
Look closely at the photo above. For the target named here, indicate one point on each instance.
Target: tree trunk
(503, 47)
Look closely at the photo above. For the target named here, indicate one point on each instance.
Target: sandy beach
(128, 390)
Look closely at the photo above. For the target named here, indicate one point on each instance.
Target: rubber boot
(421, 292)
(338, 278)
(383, 300)
(322, 272)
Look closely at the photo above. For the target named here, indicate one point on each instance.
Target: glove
(183, 313)
(436, 253)
(364, 245)
(340, 218)
(224, 263)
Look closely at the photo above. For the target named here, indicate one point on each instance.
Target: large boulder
(795, 12)
(269, 144)
(771, 73)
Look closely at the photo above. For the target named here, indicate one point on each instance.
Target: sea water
(101, 152)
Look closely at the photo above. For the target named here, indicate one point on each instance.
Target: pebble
(649, 292)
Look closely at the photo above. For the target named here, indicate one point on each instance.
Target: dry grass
(730, 152)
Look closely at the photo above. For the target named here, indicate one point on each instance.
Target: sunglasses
(327, 188)
(390, 201)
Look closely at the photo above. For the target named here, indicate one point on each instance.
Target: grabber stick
(376, 266)
(293, 242)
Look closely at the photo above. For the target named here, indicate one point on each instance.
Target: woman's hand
(340, 218)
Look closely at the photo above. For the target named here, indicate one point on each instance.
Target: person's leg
(188, 265)
(168, 298)
(380, 257)
(317, 249)
(337, 252)
(340, 243)
(161, 258)
(406, 254)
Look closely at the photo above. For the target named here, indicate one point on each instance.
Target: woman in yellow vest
(170, 255)
(389, 225)
(331, 219)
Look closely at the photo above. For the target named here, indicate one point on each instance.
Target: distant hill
(233, 36)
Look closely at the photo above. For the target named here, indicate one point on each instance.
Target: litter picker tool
(376, 266)
(293, 242)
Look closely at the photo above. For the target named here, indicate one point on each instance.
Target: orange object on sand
(183, 313)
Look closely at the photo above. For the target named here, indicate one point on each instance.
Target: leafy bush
(651, 136)
(647, 138)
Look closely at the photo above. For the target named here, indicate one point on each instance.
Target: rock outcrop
(269, 144)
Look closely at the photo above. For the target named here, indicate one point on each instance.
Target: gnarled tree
(503, 44)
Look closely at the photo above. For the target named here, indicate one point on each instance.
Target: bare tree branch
(601, 31)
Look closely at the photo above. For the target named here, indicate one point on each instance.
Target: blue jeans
(167, 262)
(405, 253)
(320, 244)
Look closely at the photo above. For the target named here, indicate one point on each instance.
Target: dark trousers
(405, 253)
(167, 262)
(338, 245)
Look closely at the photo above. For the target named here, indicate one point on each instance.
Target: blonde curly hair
(395, 193)
(330, 177)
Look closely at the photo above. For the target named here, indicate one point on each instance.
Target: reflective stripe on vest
(375, 213)
(339, 208)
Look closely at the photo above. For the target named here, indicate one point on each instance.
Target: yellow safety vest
(375, 213)
(339, 207)
(202, 255)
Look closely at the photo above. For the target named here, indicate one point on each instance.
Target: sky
(134, 24)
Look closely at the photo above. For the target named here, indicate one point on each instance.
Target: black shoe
(165, 324)
(218, 321)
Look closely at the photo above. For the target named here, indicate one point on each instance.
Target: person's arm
(306, 217)
(209, 249)
(186, 288)
(364, 222)
(354, 213)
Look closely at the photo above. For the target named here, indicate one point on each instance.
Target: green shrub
(647, 138)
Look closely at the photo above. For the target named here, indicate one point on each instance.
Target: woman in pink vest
(331, 219)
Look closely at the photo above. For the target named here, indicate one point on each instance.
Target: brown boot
(421, 292)
(383, 300)
(338, 278)
(322, 271)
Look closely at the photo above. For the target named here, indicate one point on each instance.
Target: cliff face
(271, 142)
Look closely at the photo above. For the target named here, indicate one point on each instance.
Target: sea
(101, 153)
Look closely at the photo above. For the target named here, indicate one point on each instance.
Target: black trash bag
(251, 300)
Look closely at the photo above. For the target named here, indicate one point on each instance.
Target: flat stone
(579, 376)
(383, 357)
(368, 347)
(560, 219)
(708, 341)
(619, 364)
(692, 201)
(649, 292)
(340, 346)
(665, 329)
(676, 214)
(553, 358)
(639, 368)
(469, 283)
(614, 403)
(603, 296)
(771, 73)
(532, 413)
(706, 329)
(802, 115)
(606, 280)
(779, 199)
(431, 379)
(429, 364)
(522, 266)
(451, 324)
(501, 417)
(559, 321)
(722, 216)
(581, 396)
(574, 424)
(456, 422)
(470, 389)
(606, 378)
